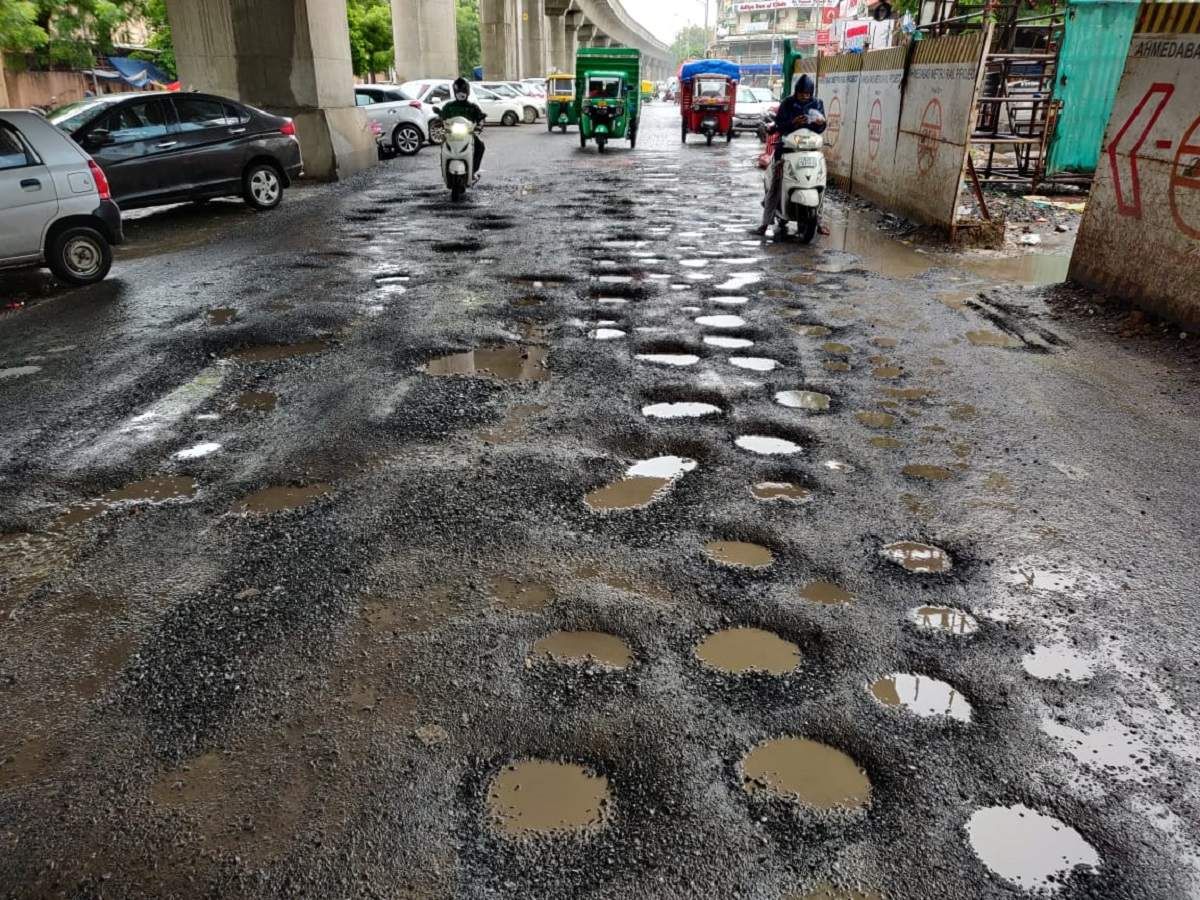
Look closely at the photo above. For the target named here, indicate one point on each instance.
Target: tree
(19, 30)
(470, 53)
(372, 46)
(690, 43)
(75, 32)
(160, 38)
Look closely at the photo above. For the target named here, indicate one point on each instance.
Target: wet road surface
(573, 543)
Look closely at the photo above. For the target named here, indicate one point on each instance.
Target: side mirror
(437, 110)
(99, 137)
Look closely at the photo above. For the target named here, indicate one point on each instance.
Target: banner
(837, 88)
(877, 124)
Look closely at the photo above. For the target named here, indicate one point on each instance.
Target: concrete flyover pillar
(534, 39)
(601, 40)
(499, 39)
(558, 43)
(426, 38)
(290, 57)
(585, 33)
(571, 22)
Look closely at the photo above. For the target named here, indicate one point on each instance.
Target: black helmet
(805, 85)
(462, 89)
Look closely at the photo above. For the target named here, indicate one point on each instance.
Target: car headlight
(458, 129)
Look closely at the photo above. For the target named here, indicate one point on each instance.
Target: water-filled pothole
(583, 648)
(1058, 662)
(680, 410)
(922, 559)
(825, 891)
(222, 315)
(814, 331)
(643, 483)
(811, 401)
(922, 472)
(807, 772)
(728, 343)
(835, 349)
(606, 334)
(873, 419)
(280, 498)
(535, 797)
(780, 490)
(525, 596)
(257, 401)
(739, 553)
(765, 445)
(754, 363)
(669, 359)
(922, 696)
(1028, 848)
(943, 618)
(721, 321)
(826, 593)
(507, 363)
(738, 651)
(993, 339)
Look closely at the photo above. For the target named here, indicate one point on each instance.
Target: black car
(161, 148)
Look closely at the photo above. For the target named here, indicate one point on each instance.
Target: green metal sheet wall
(1095, 42)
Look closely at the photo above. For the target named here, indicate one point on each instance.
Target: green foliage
(160, 38)
(19, 30)
(690, 43)
(371, 42)
(470, 47)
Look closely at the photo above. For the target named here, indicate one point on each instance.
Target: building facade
(752, 32)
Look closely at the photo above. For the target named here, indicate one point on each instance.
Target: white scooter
(458, 156)
(804, 180)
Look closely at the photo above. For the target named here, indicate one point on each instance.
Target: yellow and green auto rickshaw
(608, 95)
(647, 91)
(560, 102)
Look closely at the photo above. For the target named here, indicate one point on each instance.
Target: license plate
(804, 163)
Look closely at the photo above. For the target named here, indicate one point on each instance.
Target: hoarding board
(876, 124)
(837, 88)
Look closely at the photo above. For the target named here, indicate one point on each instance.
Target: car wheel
(262, 187)
(509, 119)
(531, 115)
(437, 132)
(406, 139)
(79, 255)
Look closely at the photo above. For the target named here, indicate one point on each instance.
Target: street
(722, 568)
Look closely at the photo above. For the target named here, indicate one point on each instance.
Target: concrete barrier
(877, 124)
(837, 87)
(1140, 235)
(943, 80)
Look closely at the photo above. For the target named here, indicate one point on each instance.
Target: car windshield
(503, 90)
(564, 86)
(747, 95)
(710, 88)
(71, 116)
(604, 88)
(764, 95)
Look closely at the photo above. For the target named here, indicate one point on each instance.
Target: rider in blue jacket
(801, 110)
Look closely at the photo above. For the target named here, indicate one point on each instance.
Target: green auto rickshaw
(608, 94)
(560, 102)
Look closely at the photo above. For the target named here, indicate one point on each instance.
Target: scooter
(804, 179)
(458, 156)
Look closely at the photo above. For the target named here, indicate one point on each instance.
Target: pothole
(813, 331)
(836, 365)
(888, 373)
(886, 443)
(643, 483)
(721, 321)
(606, 334)
(806, 772)
(729, 301)
(826, 593)
(884, 343)
(922, 696)
(537, 798)
(457, 246)
(524, 596)
(257, 401)
(1028, 848)
(741, 554)
(835, 349)
(921, 559)
(764, 445)
(754, 363)
(727, 343)
(943, 618)
(221, 316)
(993, 339)
(583, 648)
(508, 363)
(874, 419)
(810, 401)
(680, 410)
(739, 651)
(1058, 663)
(780, 490)
(669, 359)
(923, 472)
(278, 352)
(198, 451)
(825, 891)
(280, 498)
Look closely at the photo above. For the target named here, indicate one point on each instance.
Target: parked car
(436, 91)
(161, 148)
(408, 124)
(752, 107)
(56, 208)
(533, 108)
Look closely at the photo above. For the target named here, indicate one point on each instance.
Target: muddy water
(884, 343)
(993, 339)
(643, 483)
(158, 489)
(682, 410)
(833, 348)
(583, 647)
(922, 696)
(812, 330)
(221, 316)
(806, 772)
(886, 443)
(767, 446)
(826, 891)
(534, 797)
(922, 559)
(514, 423)
(780, 490)
(739, 553)
(257, 401)
(524, 596)
(509, 363)
(888, 373)
(280, 498)
(907, 393)
(277, 352)
(836, 365)
(807, 400)
(1028, 848)
(943, 618)
(928, 473)
(825, 592)
(738, 651)
(875, 419)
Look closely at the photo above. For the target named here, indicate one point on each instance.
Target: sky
(665, 17)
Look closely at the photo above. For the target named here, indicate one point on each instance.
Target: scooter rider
(801, 110)
(462, 107)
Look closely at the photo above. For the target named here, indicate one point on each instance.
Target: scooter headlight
(460, 129)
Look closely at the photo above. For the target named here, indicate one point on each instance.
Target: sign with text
(837, 87)
(876, 124)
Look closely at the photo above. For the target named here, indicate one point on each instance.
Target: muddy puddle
(826, 891)
(767, 446)
(280, 498)
(836, 365)
(508, 363)
(826, 593)
(583, 648)
(945, 619)
(754, 363)
(680, 410)
(1058, 662)
(873, 419)
(921, 559)
(257, 401)
(993, 339)
(814, 331)
(811, 401)
(537, 798)
(1028, 848)
(514, 424)
(221, 316)
(780, 490)
(833, 348)
(923, 472)
(278, 352)
(886, 443)
(806, 772)
(159, 489)
(922, 696)
(669, 359)
(911, 394)
(740, 554)
(523, 596)
(643, 484)
(887, 373)
(739, 651)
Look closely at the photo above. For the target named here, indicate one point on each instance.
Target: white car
(408, 124)
(56, 208)
(436, 91)
(752, 107)
(533, 108)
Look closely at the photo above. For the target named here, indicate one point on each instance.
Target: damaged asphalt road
(724, 569)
